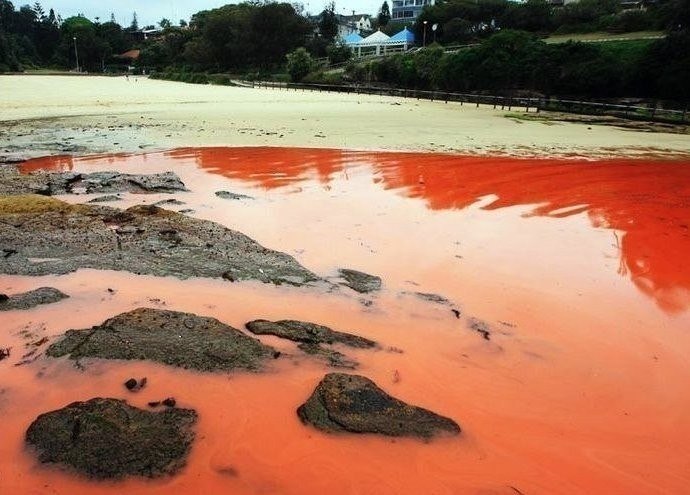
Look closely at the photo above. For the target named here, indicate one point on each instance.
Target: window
(409, 2)
(397, 3)
(408, 13)
(418, 2)
(396, 15)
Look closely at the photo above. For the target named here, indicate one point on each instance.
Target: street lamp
(76, 53)
(424, 44)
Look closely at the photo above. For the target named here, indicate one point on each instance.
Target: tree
(134, 26)
(299, 64)
(112, 18)
(183, 23)
(328, 23)
(384, 16)
(338, 52)
(164, 23)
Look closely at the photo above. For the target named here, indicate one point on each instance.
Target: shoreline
(113, 115)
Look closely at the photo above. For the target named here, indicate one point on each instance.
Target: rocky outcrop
(360, 281)
(310, 333)
(231, 195)
(353, 403)
(27, 300)
(52, 183)
(177, 339)
(313, 339)
(40, 236)
(109, 439)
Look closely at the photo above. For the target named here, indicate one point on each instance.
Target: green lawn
(600, 37)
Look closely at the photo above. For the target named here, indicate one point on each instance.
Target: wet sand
(42, 115)
(578, 267)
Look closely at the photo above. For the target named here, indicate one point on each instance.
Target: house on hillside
(355, 23)
(408, 10)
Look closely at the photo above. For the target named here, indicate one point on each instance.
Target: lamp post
(76, 53)
(424, 37)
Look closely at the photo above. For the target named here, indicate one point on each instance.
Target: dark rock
(4, 352)
(353, 403)
(155, 403)
(310, 333)
(131, 384)
(162, 336)
(172, 201)
(105, 199)
(141, 239)
(430, 297)
(12, 159)
(230, 195)
(27, 300)
(456, 312)
(332, 357)
(480, 327)
(360, 281)
(4, 297)
(109, 439)
(169, 402)
(52, 183)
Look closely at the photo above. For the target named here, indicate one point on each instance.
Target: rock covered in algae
(41, 236)
(353, 403)
(177, 339)
(109, 439)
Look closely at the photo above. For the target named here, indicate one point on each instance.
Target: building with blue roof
(379, 43)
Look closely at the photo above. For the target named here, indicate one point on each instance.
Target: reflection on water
(646, 202)
(582, 388)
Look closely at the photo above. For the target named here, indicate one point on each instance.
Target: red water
(580, 267)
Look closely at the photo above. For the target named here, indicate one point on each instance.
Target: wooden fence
(650, 112)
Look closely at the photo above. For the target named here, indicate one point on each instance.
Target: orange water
(580, 267)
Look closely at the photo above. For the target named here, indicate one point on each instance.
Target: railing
(651, 112)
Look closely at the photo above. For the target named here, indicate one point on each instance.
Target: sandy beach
(51, 114)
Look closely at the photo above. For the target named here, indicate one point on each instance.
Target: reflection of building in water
(408, 9)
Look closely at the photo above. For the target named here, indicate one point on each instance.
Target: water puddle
(578, 268)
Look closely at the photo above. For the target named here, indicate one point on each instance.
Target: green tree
(134, 26)
(384, 16)
(164, 23)
(299, 64)
(328, 23)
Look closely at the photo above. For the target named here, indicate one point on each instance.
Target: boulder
(177, 339)
(109, 439)
(353, 403)
(27, 300)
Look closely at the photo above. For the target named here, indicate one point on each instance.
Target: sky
(152, 11)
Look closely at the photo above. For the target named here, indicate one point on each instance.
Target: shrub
(299, 64)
